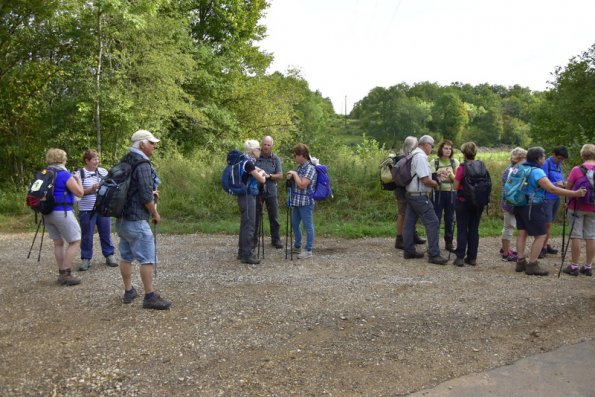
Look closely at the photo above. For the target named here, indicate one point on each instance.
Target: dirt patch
(356, 319)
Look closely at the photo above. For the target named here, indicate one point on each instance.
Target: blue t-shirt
(554, 173)
(536, 193)
(59, 188)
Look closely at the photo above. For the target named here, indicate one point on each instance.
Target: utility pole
(345, 111)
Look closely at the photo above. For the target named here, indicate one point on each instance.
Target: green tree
(567, 113)
(449, 116)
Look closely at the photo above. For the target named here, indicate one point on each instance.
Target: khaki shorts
(62, 227)
(584, 225)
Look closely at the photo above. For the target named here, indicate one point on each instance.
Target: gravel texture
(356, 319)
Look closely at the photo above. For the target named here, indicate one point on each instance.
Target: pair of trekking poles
(566, 243)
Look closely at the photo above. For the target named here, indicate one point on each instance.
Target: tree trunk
(98, 82)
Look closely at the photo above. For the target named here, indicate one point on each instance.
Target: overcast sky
(344, 48)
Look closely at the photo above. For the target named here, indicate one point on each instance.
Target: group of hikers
(443, 188)
(437, 189)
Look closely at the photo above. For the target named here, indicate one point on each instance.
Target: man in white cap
(136, 238)
(419, 205)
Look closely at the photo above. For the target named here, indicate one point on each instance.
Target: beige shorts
(584, 225)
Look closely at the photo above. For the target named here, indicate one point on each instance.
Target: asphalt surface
(566, 372)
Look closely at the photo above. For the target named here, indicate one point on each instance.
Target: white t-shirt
(90, 178)
(420, 167)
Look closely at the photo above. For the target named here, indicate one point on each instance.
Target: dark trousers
(88, 221)
(468, 217)
(420, 207)
(444, 202)
(273, 213)
(247, 204)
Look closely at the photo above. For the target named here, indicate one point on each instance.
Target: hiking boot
(85, 265)
(571, 269)
(251, 260)
(542, 253)
(521, 263)
(449, 246)
(296, 250)
(438, 260)
(156, 302)
(277, 244)
(586, 270)
(415, 255)
(418, 240)
(111, 261)
(399, 243)
(460, 262)
(550, 250)
(471, 262)
(129, 296)
(533, 269)
(305, 254)
(66, 278)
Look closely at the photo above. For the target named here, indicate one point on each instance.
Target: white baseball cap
(144, 134)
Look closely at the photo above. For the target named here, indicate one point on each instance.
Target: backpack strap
(436, 163)
(452, 164)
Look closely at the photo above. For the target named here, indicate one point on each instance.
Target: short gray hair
(409, 144)
(426, 139)
(517, 154)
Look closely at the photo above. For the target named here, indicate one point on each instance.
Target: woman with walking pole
(582, 211)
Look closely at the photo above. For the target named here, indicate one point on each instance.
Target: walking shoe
(471, 262)
(399, 243)
(438, 260)
(533, 269)
(521, 263)
(418, 240)
(277, 244)
(305, 254)
(510, 256)
(66, 278)
(586, 270)
(156, 302)
(129, 296)
(296, 250)
(251, 260)
(550, 250)
(542, 253)
(414, 255)
(571, 269)
(85, 265)
(460, 262)
(449, 246)
(111, 261)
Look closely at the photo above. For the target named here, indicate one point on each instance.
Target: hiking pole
(34, 238)
(41, 243)
(565, 249)
(155, 198)
(564, 224)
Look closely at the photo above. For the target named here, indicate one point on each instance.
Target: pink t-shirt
(575, 174)
(459, 176)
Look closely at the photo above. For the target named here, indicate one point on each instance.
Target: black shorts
(531, 218)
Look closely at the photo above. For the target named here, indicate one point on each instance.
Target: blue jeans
(88, 220)
(445, 202)
(468, 217)
(136, 241)
(420, 207)
(303, 214)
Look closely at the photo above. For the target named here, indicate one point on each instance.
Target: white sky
(345, 48)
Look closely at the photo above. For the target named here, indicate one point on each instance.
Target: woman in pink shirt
(583, 215)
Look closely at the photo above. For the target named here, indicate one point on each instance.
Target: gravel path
(356, 319)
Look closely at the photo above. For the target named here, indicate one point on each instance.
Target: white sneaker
(305, 254)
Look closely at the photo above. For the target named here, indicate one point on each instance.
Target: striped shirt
(90, 178)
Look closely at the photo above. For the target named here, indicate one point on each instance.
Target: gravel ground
(356, 319)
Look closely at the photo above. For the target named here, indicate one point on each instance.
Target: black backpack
(40, 196)
(402, 171)
(113, 189)
(477, 184)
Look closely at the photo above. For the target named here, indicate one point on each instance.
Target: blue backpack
(514, 190)
(232, 178)
(323, 184)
